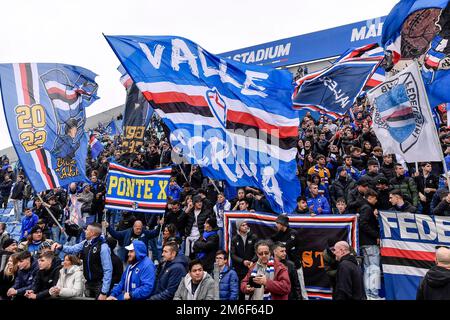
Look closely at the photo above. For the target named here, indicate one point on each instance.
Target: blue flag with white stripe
(334, 90)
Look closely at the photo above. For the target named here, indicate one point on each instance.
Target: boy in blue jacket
(317, 203)
(28, 222)
(138, 280)
(174, 190)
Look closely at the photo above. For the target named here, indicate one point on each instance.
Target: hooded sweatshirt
(139, 278)
(205, 289)
(435, 285)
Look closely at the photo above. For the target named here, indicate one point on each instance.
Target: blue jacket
(25, 278)
(174, 192)
(138, 279)
(319, 202)
(169, 278)
(228, 284)
(27, 224)
(355, 174)
(124, 237)
(326, 192)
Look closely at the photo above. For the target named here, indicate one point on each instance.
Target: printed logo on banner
(398, 110)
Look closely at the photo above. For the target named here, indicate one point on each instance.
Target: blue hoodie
(174, 191)
(138, 279)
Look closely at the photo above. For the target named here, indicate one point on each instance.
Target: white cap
(130, 247)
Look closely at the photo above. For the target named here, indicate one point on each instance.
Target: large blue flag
(334, 90)
(419, 29)
(233, 119)
(45, 105)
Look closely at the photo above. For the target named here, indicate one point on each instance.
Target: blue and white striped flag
(234, 120)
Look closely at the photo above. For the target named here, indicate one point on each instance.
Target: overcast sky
(71, 31)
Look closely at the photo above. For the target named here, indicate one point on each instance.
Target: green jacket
(408, 187)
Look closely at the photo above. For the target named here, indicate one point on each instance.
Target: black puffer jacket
(206, 250)
(201, 219)
(46, 279)
(442, 209)
(291, 240)
(355, 200)
(241, 251)
(435, 285)
(369, 230)
(349, 283)
(341, 188)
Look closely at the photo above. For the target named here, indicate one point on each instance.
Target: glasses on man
(264, 253)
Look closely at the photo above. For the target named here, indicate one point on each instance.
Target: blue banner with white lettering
(44, 106)
(233, 119)
(137, 190)
(326, 43)
(408, 245)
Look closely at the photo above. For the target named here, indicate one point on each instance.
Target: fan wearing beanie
(34, 241)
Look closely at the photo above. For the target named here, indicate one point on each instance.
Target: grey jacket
(205, 291)
(86, 199)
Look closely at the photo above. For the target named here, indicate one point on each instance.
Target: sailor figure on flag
(66, 98)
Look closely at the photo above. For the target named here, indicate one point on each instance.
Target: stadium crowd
(126, 255)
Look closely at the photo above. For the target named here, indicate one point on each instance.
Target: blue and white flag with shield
(402, 118)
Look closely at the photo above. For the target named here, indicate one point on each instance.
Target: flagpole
(182, 172)
(161, 226)
(436, 136)
(52, 216)
(215, 187)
